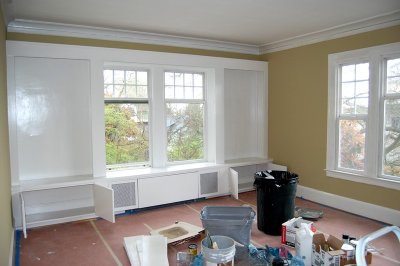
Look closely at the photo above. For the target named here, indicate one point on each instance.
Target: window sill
(159, 171)
(381, 182)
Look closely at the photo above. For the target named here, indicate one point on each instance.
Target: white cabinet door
(104, 202)
(234, 183)
(167, 189)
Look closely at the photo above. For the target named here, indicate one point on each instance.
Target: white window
(185, 108)
(364, 116)
(126, 116)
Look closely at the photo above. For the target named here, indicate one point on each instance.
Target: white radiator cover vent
(124, 195)
(209, 183)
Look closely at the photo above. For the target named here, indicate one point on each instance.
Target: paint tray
(178, 232)
(307, 213)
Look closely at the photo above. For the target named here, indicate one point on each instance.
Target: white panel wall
(53, 124)
(243, 109)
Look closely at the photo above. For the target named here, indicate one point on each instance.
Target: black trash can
(276, 193)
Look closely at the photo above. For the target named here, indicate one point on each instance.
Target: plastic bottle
(303, 243)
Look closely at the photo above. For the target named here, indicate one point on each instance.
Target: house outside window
(185, 113)
(364, 116)
(126, 115)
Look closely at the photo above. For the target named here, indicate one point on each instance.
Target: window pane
(119, 91)
(391, 152)
(348, 90)
(130, 77)
(393, 85)
(198, 80)
(393, 67)
(141, 92)
(179, 93)
(188, 92)
(141, 77)
(348, 73)
(362, 71)
(393, 76)
(131, 91)
(119, 76)
(126, 133)
(108, 91)
(169, 92)
(108, 76)
(188, 79)
(185, 131)
(362, 89)
(361, 106)
(355, 89)
(169, 78)
(347, 106)
(351, 144)
(179, 79)
(198, 92)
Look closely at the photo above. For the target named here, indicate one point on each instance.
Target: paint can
(192, 248)
(224, 255)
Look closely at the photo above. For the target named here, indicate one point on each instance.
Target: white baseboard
(11, 256)
(376, 212)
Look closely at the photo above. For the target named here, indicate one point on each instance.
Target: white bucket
(223, 255)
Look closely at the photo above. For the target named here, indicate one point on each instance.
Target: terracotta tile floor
(98, 242)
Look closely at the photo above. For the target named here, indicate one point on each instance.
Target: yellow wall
(5, 178)
(297, 118)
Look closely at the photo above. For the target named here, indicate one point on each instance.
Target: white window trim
(370, 175)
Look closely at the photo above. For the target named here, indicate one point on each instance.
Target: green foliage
(126, 136)
(185, 131)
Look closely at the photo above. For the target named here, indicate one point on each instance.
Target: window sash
(123, 81)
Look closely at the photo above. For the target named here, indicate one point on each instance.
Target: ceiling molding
(58, 29)
(373, 23)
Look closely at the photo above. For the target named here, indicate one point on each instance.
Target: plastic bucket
(224, 254)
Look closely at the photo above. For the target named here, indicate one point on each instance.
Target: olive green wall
(297, 114)
(5, 178)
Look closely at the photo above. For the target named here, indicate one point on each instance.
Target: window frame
(376, 57)
(128, 100)
(188, 101)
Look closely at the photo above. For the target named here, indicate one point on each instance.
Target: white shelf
(40, 219)
(51, 183)
(247, 161)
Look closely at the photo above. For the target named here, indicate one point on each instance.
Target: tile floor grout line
(190, 207)
(106, 244)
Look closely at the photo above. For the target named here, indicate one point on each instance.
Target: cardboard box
(289, 228)
(327, 252)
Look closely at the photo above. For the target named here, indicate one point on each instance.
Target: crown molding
(58, 29)
(360, 26)
(68, 30)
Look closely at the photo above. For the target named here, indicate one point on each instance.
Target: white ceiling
(252, 22)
